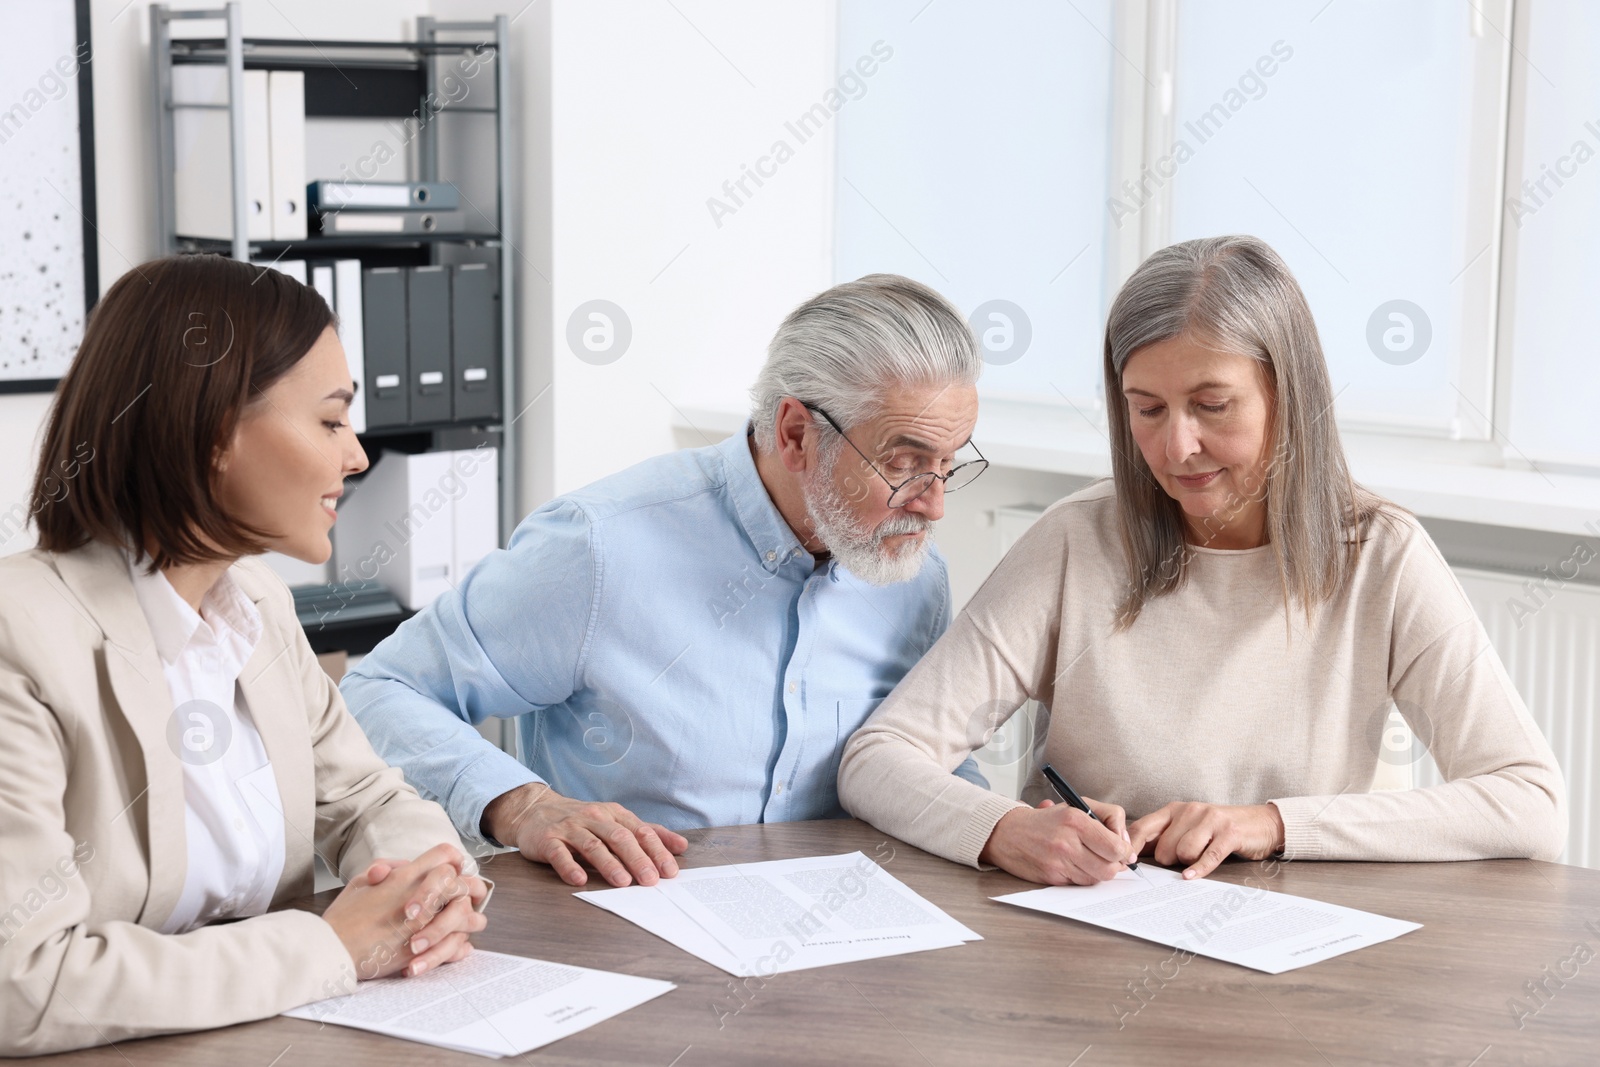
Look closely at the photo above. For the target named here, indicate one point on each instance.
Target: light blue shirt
(668, 645)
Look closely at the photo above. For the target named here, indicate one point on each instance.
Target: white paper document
(490, 1003)
(757, 919)
(1256, 928)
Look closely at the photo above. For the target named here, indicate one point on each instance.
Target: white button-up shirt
(234, 817)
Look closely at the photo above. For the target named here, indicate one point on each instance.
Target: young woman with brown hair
(171, 754)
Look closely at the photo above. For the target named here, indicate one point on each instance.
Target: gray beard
(859, 551)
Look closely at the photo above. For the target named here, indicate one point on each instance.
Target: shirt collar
(763, 523)
(173, 623)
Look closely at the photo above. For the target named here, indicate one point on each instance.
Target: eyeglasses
(912, 488)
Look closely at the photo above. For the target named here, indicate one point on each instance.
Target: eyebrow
(1202, 387)
(347, 395)
(902, 440)
(907, 441)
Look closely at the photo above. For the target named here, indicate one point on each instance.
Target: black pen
(1070, 795)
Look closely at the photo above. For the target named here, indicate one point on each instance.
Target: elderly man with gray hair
(692, 641)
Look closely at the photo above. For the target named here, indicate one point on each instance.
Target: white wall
(967, 536)
(21, 422)
(652, 109)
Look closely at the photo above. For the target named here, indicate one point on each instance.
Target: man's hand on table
(549, 828)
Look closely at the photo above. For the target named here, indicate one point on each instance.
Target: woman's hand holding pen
(1056, 844)
(1203, 835)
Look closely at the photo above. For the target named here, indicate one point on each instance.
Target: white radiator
(1548, 639)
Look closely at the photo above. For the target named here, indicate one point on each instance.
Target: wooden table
(1040, 989)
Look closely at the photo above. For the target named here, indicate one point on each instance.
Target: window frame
(1143, 126)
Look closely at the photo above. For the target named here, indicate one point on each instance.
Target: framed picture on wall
(49, 274)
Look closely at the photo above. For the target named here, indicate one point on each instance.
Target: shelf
(355, 637)
(428, 427)
(349, 616)
(341, 241)
(215, 50)
(345, 79)
(379, 80)
(411, 68)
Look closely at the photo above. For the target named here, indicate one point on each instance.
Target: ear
(796, 435)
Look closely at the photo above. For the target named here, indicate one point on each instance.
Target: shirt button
(791, 687)
(771, 556)
(778, 791)
(238, 824)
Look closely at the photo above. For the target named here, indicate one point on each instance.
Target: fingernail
(412, 911)
(1189, 873)
(669, 868)
(419, 946)
(417, 968)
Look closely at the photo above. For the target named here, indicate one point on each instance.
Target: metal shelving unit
(356, 79)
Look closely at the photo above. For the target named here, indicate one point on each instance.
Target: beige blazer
(92, 844)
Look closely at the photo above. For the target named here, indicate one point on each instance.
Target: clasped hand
(402, 916)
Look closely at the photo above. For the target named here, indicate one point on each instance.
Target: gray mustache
(901, 524)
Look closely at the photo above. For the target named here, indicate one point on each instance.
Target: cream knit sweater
(1214, 695)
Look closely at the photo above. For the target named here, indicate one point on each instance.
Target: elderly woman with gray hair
(1218, 631)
